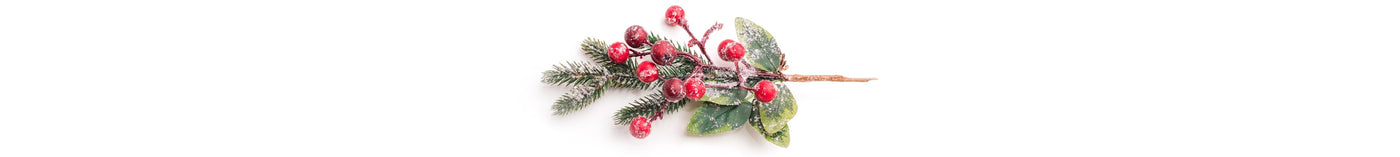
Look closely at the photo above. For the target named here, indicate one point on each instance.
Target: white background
(461, 78)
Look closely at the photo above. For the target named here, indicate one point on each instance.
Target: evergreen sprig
(645, 107)
(579, 97)
(575, 74)
(595, 49)
(627, 78)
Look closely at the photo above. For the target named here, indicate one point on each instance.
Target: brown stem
(831, 78)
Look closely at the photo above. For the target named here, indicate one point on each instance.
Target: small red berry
(618, 53)
(662, 52)
(674, 89)
(636, 36)
(647, 72)
(640, 127)
(694, 88)
(766, 91)
(675, 15)
(730, 50)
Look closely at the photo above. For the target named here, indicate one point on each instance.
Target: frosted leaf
(761, 50)
(712, 118)
(775, 114)
(727, 96)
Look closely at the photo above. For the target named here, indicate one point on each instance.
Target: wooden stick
(831, 78)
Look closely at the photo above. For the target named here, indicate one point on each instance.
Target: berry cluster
(663, 53)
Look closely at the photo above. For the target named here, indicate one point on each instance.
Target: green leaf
(780, 138)
(761, 49)
(726, 96)
(712, 118)
(775, 114)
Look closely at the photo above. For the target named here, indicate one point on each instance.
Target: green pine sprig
(645, 107)
(575, 74)
(576, 99)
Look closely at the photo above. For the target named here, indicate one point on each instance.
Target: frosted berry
(618, 53)
(636, 36)
(647, 72)
(766, 91)
(730, 50)
(694, 88)
(662, 52)
(640, 127)
(675, 15)
(674, 89)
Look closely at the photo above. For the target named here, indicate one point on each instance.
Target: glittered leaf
(775, 114)
(761, 49)
(727, 96)
(712, 118)
(780, 138)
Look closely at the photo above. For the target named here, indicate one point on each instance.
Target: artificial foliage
(745, 85)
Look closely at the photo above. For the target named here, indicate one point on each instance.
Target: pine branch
(575, 74)
(596, 49)
(721, 75)
(646, 106)
(576, 99)
(627, 78)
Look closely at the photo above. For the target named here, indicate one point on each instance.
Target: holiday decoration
(751, 91)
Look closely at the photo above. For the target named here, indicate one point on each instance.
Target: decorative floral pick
(752, 91)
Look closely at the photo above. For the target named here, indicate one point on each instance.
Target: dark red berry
(618, 53)
(675, 15)
(640, 127)
(674, 89)
(766, 91)
(662, 52)
(730, 50)
(647, 72)
(636, 36)
(694, 88)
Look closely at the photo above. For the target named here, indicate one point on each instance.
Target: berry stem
(717, 26)
(638, 54)
(657, 115)
(742, 77)
(700, 41)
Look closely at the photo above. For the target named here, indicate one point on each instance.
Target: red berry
(662, 52)
(647, 72)
(694, 88)
(617, 52)
(730, 50)
(635, 36)
(640, 127)
(766, 91)
(674, 89)
(675, 15)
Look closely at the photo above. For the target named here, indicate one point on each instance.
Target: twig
(831, 78)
